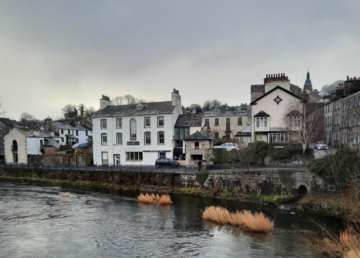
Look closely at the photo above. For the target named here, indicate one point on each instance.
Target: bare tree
(27, 119)
(140, 100)
(304, 122)
(129, 99)
(90, 111)
(119, 100)
(69, 111)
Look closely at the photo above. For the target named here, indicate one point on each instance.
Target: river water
(35, 221)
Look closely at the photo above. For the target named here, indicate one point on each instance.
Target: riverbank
(268, 200)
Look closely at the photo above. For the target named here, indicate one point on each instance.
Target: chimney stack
(104, 102)
(47, 125)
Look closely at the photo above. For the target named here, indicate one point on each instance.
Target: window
(162, 155)
(181, 133)
(228, 120)
(357, 142)
(353, 139)
(103, 139)
(119, 139)
(134, 156)
(160, 121)
(132, 129)
(206, 122)
(118, 123)
(349, 103)
(77, 133)
(62, 131)
(239, 120)
(147, 138)
(62, 139)
(161, 138)
(278, 137)
(87, 133)
(257, 122)
(358, 122)
(216, 135)
(196, 145)
(342, 122)
(104, 158)
(354, 122)
(343, 106)
(354, 102)
(216, 121)
(146, 121)
(196, 157)
(103, 124)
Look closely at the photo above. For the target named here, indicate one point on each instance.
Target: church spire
(308, 85)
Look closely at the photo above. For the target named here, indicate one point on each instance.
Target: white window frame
(103, 124)
(133, 156)
(119, 139)
(159, 119)
(118, 123)
(104, 139)
(147, 122)
(145, 134)
(163, 138)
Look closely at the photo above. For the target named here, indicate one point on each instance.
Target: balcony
(262, 129)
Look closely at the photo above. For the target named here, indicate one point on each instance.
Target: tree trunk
(248, 167)
(304, 149)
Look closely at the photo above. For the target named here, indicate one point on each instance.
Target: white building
(71, 131)
(135, 134)
(269, 113)
(19, 143)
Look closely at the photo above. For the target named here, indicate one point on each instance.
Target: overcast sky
(54, 53)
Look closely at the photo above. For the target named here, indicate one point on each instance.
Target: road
(321, 153)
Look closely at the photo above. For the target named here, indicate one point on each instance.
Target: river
(35, 221)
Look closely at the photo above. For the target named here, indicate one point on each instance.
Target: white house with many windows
(135, 134)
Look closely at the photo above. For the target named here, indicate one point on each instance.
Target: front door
(116, 159)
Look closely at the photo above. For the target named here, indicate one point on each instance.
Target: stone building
(218, 123)
(198, 146)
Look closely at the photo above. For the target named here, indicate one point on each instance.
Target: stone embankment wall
(264, 182)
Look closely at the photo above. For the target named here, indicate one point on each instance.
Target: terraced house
(135, 134)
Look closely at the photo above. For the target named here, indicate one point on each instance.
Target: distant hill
(327, 89)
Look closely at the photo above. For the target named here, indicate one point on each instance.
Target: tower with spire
(308, 86)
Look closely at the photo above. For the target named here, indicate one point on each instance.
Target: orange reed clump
(65, 195)
(217, 214)
(164, 200)
(147, 198)
(347, 239)
(353, 254)
(245, 219)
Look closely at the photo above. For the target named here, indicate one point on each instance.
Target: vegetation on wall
(201, 177)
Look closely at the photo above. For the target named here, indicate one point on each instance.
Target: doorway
(116, 159)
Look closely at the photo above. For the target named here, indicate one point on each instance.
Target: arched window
(196, 145)
(14, 146)
(132, 129)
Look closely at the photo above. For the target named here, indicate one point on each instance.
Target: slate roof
(247, 129)
(151, 108)
(220, 113)
(7, 121)
(258, 88)
(197, 136)
(68, 126)
(51, 142)
(189, 121)
(274, 89)
(261, 113)
(42, 133)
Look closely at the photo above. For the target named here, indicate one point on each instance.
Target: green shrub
(282, 154)
(220, 155)
(201, 177)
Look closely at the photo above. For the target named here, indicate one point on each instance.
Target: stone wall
(266, 182)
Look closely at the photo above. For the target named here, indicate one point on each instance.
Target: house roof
(220, 113)
(274, 89)
(71, 136)
(51, 142)
(197, 136)
(247, 129)
(262, 113)
(30, 133)
(141, 109)
(6, 121)
(68, 126)
(189, 121)
(258, 88)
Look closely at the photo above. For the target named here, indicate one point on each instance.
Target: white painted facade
(275, 123)
(82, 136)
(150, 152)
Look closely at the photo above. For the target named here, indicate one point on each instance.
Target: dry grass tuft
(152, 198)
(347, 239)
(164, 200)
(353, 254)
(147, 198)
(217, 214)
(245, 219)
(65, 195)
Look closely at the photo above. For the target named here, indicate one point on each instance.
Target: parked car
(229, 146)
(321, 146)
(164, 162)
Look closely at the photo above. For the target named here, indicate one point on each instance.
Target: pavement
(321, 153)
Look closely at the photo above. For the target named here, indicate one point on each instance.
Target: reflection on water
(35, 221)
